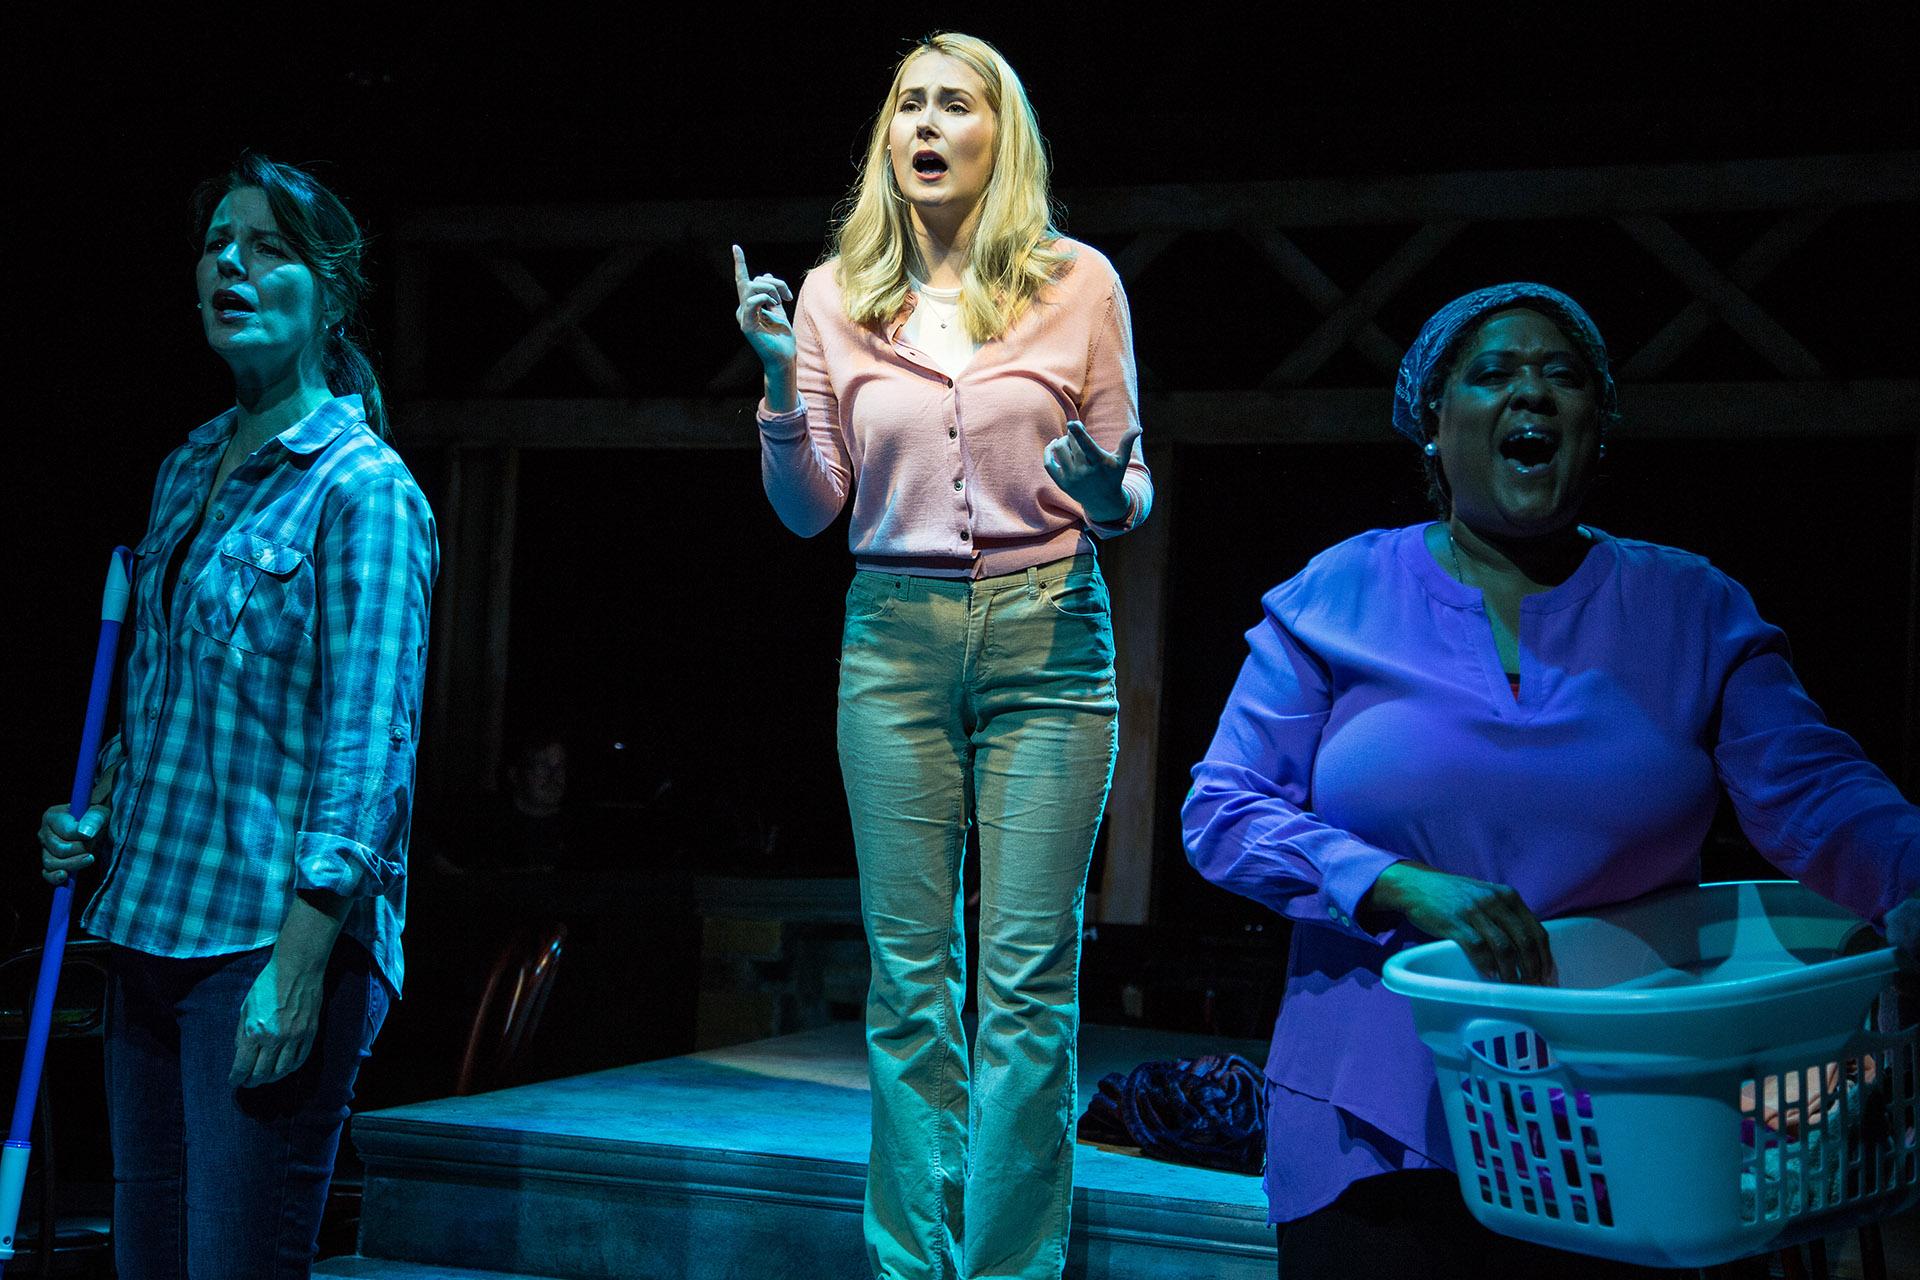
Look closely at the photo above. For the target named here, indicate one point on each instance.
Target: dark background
(658, 603)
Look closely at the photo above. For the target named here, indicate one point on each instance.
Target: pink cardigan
(946, 472)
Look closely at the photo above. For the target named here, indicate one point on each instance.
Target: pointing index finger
(739, 270)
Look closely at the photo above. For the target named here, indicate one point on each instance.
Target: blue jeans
(213, 1181)
(990, 703)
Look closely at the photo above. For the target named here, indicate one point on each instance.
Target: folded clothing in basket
(1784, 1176)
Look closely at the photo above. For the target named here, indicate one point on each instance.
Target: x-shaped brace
(1727, 295)
(558, 323)
(1350, 318)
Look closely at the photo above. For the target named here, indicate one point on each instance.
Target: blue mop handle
(13, 1158)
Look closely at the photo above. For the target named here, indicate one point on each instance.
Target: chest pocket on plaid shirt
(255, 595)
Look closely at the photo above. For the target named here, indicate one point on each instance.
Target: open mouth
(928, 164)
(226, 300)
(1530, 448)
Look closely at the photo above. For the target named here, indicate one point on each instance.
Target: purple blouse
(1372, 722)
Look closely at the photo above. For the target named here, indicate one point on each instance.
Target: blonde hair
(1015, 250)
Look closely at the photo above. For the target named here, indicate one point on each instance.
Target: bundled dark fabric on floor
(1209, 1111)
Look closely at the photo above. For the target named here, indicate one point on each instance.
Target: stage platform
(746, 1162)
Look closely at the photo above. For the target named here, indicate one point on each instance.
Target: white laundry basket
(1708, 1080)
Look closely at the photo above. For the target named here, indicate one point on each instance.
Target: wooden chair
(511, 1006)
(508, 1014)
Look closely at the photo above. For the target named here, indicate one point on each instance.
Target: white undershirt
(948, 345)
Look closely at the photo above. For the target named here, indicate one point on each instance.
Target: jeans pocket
(255, 595)
(871, 596)
(1080, 595)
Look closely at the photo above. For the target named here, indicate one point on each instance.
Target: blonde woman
(965, 373)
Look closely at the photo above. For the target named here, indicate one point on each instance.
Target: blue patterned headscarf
(1427, 360)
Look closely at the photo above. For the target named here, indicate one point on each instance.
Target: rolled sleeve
(1247, 822)
(375, 565)
(334, 864)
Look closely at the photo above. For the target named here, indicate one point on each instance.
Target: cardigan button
(958, 485)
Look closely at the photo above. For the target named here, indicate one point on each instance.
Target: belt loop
(1033, 581)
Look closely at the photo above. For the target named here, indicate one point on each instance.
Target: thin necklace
(933, 308)
(942, 311)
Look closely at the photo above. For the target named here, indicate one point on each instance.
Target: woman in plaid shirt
(255, 803)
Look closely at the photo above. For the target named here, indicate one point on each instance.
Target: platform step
(749, 1163)
(378, 1269)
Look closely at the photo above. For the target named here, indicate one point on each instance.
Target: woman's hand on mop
(66, 842)
(1502, 937)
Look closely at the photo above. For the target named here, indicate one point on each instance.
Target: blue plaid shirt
(270, 714)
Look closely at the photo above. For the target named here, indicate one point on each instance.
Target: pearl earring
(1603, 448)
(1431, 449)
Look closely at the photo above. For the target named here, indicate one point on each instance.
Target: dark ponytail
(349, 372)
(320, 229)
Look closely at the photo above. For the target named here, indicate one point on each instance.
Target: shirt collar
(1443, 586)
(309, 435)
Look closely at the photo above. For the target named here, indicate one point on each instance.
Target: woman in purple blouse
(1455, 729)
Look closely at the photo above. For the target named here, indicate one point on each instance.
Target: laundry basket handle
(1507, 1047)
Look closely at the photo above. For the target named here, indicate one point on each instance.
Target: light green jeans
(992, 702)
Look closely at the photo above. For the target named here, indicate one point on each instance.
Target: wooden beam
(1505, 195)
(1741, 410)
(559, 322)
(648, 423)
(1140, 253)
(1345, 320)
(1708, 283)
(1671, 411)
(467, 660)
(1326, 297)
(1500, 195)
(1137, 569)
(1772, 248)
(741, 376)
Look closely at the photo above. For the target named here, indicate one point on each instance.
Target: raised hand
(1089, 474)
(762, 315)
(1493, 926)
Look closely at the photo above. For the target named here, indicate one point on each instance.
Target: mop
(13, 1157)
